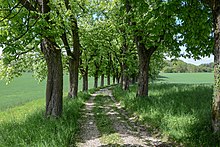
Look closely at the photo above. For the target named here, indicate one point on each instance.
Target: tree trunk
(73, 78)
(108, 78)
(76, 58)
(113, 79)
(96, 78)
(73, 55)
(122, 74)
(134, 79)
(85, 80)
(144, 63)
(143, 79)
(125, 84)
(102, 80)
(54, 90)
(216, 100)
(117, 76)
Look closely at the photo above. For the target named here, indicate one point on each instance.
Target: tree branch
(11, 11)
(27, 5)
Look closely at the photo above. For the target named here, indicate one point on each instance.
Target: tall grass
(180, 111)
(26, 125)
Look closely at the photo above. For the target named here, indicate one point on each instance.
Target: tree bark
(76, 52)
(96, 78)
(73, 78)
(113, 79)
(54, 91)
(117, 76)
(122, 74)
(102, 80)
(134, 79)
(143, 79)
(125, 84)
(109, 78)
(144, 63)
(125, 78)
(216, 100)
(85, 80)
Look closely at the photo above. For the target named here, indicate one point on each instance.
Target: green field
(25, 88)
(187, 78)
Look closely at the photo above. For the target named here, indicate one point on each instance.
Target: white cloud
(198, 62)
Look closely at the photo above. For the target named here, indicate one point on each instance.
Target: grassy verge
(26, 125)
(180, 111)
(103, 122)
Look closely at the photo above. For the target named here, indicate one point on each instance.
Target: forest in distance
(179, 66)
(121, 44)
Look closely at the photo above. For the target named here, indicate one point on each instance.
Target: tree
(36, 16)
(200, 45)
(74, 54)
(215, 6)
(152, 26)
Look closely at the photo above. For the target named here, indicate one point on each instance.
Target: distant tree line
(179, 66)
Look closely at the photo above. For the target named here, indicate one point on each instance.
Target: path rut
(89, 133)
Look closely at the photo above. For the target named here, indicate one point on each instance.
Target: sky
(198, 62)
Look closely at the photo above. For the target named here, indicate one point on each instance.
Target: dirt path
(89, 133)
(131, 133)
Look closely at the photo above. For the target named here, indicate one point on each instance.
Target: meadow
(178, 106)
(186, 78)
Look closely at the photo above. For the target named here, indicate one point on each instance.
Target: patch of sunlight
(113, 138)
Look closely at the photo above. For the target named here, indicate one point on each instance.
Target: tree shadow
(161, 78)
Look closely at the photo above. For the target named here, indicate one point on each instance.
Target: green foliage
(191, 26)
(180, 111)
(26, 126)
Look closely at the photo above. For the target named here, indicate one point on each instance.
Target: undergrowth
(180, 111)
(26, 125)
